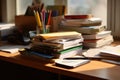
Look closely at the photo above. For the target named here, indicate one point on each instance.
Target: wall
(48, 2)
(21, 6)
(18, 7)
(60, 2)
(11, 10)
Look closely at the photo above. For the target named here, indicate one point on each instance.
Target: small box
(25, 22)
(55, 23)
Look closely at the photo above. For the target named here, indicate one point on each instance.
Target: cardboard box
(55, 23)
(25, 22)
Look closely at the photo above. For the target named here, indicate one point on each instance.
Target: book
(98, 42)
(81, 22)
(57, 35)
(86, 16)
(56, 52)
(99, 35)
(60, 43)
(70, 63)
(77, 50)
(36, 55)
(84, 30)
(112, 52)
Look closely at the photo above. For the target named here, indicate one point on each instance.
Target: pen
(85, 58)
(92, 58)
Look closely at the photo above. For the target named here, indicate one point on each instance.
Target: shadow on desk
(13, 71)
(17, 72)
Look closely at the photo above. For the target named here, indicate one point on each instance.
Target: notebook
(70, 63)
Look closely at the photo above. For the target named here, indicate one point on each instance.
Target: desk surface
(95, 70)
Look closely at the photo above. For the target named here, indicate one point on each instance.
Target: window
(98, 8)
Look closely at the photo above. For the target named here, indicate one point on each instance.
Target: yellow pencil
(38, 20)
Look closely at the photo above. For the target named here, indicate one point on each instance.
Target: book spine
(44, 49)
(57, 35)
(53, 45)
(84, 30)
(36, 55)
(60, 45)
(81, 22)
(77, 16)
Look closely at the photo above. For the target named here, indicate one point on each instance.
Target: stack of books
(93, 32)
(57, 45)
(98, 40)
(111, 53)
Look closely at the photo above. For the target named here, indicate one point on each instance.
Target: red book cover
(77, 16)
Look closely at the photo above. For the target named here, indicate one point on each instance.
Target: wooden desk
(95, 70)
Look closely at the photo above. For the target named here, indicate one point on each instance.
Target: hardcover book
(111, 52)
(81, 22)
(99, 35)
(58, 53)
(98, 42)
(77, 50)
(57, 35)
(35, 55)
(78, 16)
(84, 30)
(60, 43)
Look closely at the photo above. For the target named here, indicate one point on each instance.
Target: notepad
(70, 63)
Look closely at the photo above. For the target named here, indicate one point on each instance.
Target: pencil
(49, 18)
(49, 21)
(38, 20)
(37, 17)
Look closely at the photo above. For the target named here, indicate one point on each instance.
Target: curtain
(114, 17)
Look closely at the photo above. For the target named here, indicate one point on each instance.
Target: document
(12, 48)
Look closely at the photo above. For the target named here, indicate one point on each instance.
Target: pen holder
(39, 31)
(48, 28)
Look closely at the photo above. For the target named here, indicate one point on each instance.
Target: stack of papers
(12, 48)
